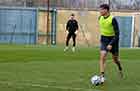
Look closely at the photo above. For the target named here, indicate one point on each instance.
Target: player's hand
(109, 47)
(67, 32)
(76, 32)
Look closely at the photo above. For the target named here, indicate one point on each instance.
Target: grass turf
(41, 68)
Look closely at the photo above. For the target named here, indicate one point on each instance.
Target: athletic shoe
(121, 74)
(102, 79)
(73, 49)
(66, 49)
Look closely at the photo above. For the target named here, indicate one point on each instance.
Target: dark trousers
(73, 37)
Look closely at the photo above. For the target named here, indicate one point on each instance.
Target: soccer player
(71, 30)
(109, 41)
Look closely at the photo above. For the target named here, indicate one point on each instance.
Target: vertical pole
(109, 3)
(24, 3)
(48, 22)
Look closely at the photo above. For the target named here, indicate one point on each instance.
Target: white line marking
(46, 86)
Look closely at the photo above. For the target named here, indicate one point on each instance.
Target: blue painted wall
(18, 26)
(126, 29)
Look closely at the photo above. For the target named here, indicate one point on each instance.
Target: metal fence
(75, 4)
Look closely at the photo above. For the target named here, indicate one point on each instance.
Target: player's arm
(67, 27)
(116, 29)
(77, 27)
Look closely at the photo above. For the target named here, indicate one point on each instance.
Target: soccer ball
(95, 80)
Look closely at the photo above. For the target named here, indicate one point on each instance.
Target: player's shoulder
(69, 21)
(99, 17)
(75, 20)
(114, 18)
(72, 20)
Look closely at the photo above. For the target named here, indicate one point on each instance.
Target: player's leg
(74, 42)
(118, 63)
(67, 42)
(115, 57)
(103, 55)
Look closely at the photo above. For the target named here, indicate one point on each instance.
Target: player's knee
(102, 59)
(116, 61)
(115, 58)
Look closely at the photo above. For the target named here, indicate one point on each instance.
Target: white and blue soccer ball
(95, 80)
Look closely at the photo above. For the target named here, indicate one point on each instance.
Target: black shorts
(105, 42)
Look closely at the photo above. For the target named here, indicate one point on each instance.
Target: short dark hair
(105, 6)
(72, 14)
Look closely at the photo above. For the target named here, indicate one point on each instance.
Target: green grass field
(41, 68)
